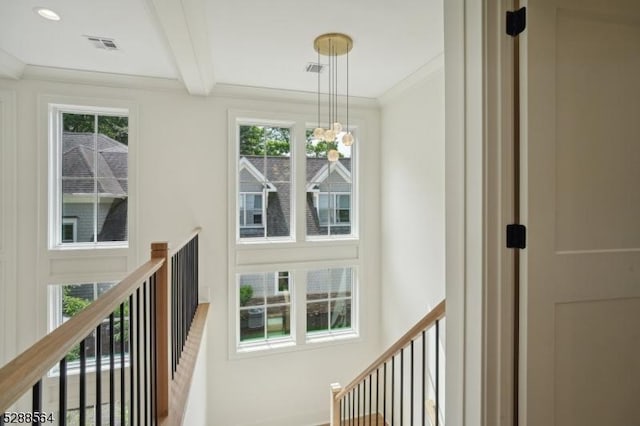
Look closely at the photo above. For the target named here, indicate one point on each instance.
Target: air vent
(103, 43)
(314, 67)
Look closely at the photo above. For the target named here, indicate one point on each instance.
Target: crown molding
(70, 76)
(268, 94)
(10, 66)
(424, 72)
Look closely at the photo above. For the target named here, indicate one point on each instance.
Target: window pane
(341, 314)
(328, 189)
(278, 321)
(78, 202)
(265, 306)
(264, 168)
(329, 299)
(317, 316)
(95, 176)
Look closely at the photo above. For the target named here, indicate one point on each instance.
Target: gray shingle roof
(81, 162)
(277, 171)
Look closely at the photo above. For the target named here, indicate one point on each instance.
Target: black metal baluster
(144, 347)
(132, 354)
(352, 394)
(122, 380)
(36, 400)
(138, 404)
(401, 386)
(424, 374)
(393, 389)
(358, 405)
(370, 409)
(411, 387)
(173, 315)
(112, 367)
(62, 393)
(437, 373)
(154, 351)
(384, 394)
(377, 394)
(98, 407)
(83, 382)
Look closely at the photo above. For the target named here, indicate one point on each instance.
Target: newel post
(161, 251)
(335, 404)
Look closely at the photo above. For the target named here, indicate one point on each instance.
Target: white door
(581, 300)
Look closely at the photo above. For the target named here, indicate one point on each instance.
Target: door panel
(582, 206)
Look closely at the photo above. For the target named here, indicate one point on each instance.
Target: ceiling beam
(10, 66)
(184, 24)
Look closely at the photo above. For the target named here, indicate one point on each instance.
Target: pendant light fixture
(333, 45)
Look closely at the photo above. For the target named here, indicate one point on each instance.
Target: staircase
(154, 315)
(402, 386)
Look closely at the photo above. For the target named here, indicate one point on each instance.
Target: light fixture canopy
(334, 45)
(47, 13)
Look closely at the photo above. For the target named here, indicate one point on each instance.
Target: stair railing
(402, 386)
(132, 384)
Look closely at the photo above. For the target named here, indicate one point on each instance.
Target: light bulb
(347, 139)
(337, 127)
(333, 155)
(329, 135)
(318, 133)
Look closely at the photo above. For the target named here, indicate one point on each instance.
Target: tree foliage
(260, 140)
(116, 128)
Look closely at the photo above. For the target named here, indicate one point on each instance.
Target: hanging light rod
(333, 45)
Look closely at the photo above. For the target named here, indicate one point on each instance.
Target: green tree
(115, 127)
(259, 140)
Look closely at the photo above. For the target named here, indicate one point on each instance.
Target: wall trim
(8, 225)
(424, 72)
(70, 76)
(10, 66)
(278, 95)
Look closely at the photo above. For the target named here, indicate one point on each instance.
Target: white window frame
(239, 164)
(55, 218)
(299, 252)
(266, 342)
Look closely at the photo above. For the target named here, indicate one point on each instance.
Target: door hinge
(516, 21)
(516, 236)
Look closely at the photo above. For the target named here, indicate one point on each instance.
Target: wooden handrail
(177, 248)
(19, 375)
(427, 321)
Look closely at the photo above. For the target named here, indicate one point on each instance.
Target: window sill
(316, 342)
(115, 247)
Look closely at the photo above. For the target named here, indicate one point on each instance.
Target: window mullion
(95, 178)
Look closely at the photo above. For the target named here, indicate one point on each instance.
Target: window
(334, 209)
(251, 212)
(89, 157)
(67, 300)
(329, 191)
(264, 177)
(293, 237)
(264, 308)
(329, 301)
(69, 229)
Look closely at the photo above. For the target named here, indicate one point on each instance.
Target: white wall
(412, 200)
(178, 168)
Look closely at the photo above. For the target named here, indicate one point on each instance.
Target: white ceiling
(256, 43)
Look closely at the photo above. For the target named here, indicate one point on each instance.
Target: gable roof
(277, 172)
(81, 162)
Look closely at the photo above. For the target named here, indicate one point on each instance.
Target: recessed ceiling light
(47, 13)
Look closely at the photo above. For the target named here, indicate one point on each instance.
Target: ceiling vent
(315, 67)
(103, 43)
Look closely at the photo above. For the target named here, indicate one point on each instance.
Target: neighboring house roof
(81, 162)
(276, 171)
